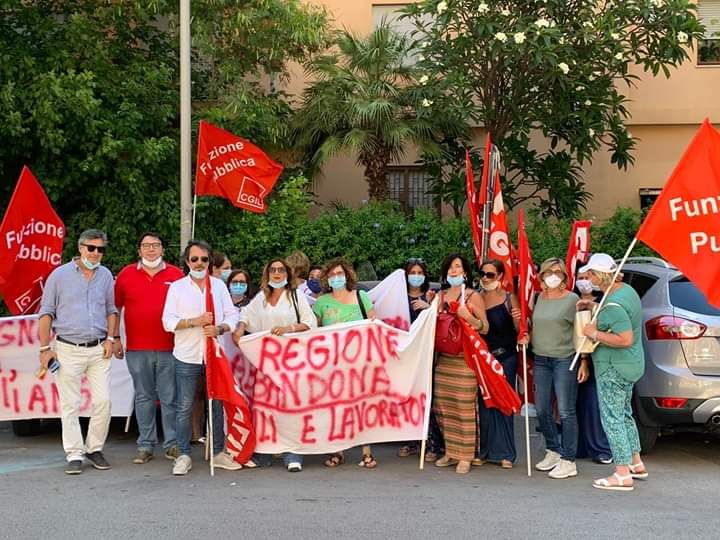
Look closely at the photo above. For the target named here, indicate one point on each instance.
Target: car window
(640, 282)
(685, 295)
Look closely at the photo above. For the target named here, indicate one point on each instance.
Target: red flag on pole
(240, 441)
(481, 199)
(475, 218)
(578, 249)
(684, 223)
(231, 167)
(529, 283)
(494, 387)
(500, 246)
(31, 245)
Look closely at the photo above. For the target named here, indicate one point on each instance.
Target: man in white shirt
(186, 316)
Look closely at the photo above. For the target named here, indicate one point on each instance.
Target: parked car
(680, 389)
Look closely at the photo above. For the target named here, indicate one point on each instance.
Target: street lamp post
(185, 126)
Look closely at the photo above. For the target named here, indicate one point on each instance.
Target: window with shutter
(709, 47)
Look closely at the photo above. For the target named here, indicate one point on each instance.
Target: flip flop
(335, 460)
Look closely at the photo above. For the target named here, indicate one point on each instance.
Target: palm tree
(364, 100)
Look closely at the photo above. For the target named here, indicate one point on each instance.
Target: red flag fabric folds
(475, 218)
(31, 244)
(528, 282)
(240, 441)
(500, 247)
(231, 167)
(684, 223)
(578, 249)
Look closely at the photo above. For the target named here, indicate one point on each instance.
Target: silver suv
(680, 389)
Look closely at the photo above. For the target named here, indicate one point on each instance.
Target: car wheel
(648, 437)
(26, 428)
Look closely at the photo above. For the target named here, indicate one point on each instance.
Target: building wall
(665, 113)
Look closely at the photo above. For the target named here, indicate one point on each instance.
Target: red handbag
(448, 334)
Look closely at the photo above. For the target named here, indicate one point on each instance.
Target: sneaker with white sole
(294, 466)
(549, 461)
(223, 460)
(564, 469)
(182, 465)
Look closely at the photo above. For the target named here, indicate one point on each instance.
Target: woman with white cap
(619, 362)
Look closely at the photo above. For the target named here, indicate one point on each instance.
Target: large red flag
(528, 283)
(240, 441)
(475, 219)
(231, 167)
(578, 249)
(684, 223)
(500, 246)
(31, 245)
(494, 387)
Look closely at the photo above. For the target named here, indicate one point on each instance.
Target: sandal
(407, 450)
(506, 464)
(478, 462)
(604, 483)
(446, 462)
(335, 460)
(463, 467)
(431, 456)
(368, 462)
(638, 471)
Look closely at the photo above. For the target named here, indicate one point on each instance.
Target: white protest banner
(390, 302)
(23, 396)
(333, 388)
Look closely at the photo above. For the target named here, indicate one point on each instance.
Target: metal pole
(527, 411)
(185, 126)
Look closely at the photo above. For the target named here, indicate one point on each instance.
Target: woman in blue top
(619, 362)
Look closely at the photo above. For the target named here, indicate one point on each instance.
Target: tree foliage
(547, 79)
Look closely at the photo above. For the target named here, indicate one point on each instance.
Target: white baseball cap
(600, 262)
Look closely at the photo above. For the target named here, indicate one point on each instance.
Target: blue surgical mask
(337, 283)
(415, 280)
(238, 289)
(198, 274)
(314, 285)
(455, 281)
(278, 284)
(225, 275)
(89, 265)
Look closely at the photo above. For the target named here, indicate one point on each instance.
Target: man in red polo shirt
(140, 291)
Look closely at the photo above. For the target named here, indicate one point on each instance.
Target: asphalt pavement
(396, 500)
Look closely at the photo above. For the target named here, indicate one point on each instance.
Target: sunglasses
(277, 270)
(489, 275)
(238, 281)
(415, 260)
(195, 259)
(91, 248)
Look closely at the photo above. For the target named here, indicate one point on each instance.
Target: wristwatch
(221, 330)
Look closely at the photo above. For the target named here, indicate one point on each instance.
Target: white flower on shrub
(427, 102)
(501, 37)
(542, 23)
(424, 80)
(483, 8)
(619, 56)
(505, 12)
(657, 3)
(561, 41)
(425, 44)
(442, 7)
(562, 66)
(615, 36)
(591, 132)
(588, 102)
(519, 37)
(682, 37)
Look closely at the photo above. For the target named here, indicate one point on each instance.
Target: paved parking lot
(680, 500)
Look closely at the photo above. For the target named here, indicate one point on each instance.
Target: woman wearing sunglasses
(343, 304)
(277, 308)
(497, 435)
(553, 321)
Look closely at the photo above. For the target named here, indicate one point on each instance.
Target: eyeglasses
(149, 245)
(195, 259)
(415, 260)
(277, 270)
(238, 281)
(336, 274)
(91, 248)
(489, 275)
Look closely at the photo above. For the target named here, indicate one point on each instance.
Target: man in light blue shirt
(78, 304)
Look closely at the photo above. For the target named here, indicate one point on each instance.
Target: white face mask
(585, 286)
(552, 281)
(490, 286)
(151, 264)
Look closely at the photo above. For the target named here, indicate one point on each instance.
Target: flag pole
(194, 210)
(210, 437)
(428, 401)
(527, 410)
(603, 299)
(185, 123)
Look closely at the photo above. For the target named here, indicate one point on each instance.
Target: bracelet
(110, 339)
(189, 323)
(220, 329)
(45, 348)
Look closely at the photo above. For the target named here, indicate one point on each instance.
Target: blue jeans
(186, 377)
(289, 457)
(553, 374)
(153, 375)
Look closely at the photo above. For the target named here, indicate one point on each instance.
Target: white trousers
(74, 363)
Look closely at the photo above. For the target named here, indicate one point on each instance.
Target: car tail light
(671, 402)
(668, 327)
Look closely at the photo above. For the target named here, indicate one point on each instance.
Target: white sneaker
(223, 460)
(294, 466)
(182, 465)
(549, 461)
(564, 469)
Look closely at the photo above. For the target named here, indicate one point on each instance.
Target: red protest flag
(475, 218)
(494, 387)
(528, 283)
(500, 247)
(31, 247)
(240, 440)
(578, 249)
(231, 167)
(684, 223)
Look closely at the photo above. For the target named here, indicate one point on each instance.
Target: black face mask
(314, 285)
